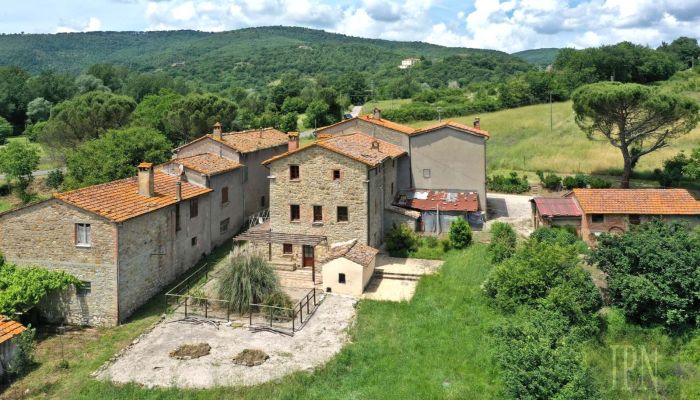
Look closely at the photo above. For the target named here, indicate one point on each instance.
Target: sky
(509, 26)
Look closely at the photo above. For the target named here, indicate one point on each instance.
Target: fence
(187, 296)
(283, 319)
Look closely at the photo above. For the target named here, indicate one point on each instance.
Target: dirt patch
(250, 357)
(190, 351)
(510, 208)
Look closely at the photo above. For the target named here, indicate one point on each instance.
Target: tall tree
(635, 119)
(38, 109)
(5, 130)
(19, 160)
(195, 114)
(86, 117)
(51, 86)
(13, 94)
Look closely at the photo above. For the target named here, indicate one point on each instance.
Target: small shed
(439, 208)
(348, 267)
(9, 329)
(556, 211)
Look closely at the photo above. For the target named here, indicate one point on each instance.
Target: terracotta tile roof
(557, 206)
(119, 200)
(354, 251)
(430, 200)
(637, 201)
(254, 139)
(9, 328)
(207, 163)
(358, 146)
(455, 125)
(387, 124)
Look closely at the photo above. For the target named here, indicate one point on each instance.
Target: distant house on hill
(408, 63)
(595, 211)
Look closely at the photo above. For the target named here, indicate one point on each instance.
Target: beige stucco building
(348, 268)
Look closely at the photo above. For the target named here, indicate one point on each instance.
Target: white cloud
(91, 25)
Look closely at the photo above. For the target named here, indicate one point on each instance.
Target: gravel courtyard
(514, 209)
(147, 362)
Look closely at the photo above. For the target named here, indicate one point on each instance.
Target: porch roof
(268, 236)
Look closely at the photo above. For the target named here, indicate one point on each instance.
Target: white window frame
(83, 235)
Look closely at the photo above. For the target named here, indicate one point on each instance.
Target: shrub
(549, 181)
(23, 359)
(430, 241)
(653, 273)
(5, 130)
(577, 181)
(401, 240)
(508, 184)
(280, 299)
(55, 179)
(599, 183)
(672, 173)
(460, 233)
(446, 245)
(5, 189)
(562, 235)
(248, 279)
(503, 241)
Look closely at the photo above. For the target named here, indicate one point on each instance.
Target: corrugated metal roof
(431, 200)
(557, 206)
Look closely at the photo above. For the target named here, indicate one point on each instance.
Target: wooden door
(308, 259)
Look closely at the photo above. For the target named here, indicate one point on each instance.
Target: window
(262, 201)
(293, 172)
(635, 219)
(342, 214)
(82, 235)
(194, 208)
(223, 225)
(83, 289)
(177, 217)
(287, 248)
(224, 195)
(426, 173)
(294, 212)
(336, 174)
(597, 218)
(341, 278)
(318, 214)
(194, 241)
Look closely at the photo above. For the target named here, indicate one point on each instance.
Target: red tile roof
(431, 200)
(354, 251)
(207, 163)
(557, 206)
(119, 200)
(637, 201)
(9, 328)
(255, 139)
(387, 124)
(358, 146)
(455, 125)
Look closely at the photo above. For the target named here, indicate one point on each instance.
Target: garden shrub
(23, 359)
(401, 240)
(508, 184)
(460, 233)
(653, 273)
(599, 183)
(55, 179)
(550, 181)
(503, 241)
(430, 241)
(563, 235)
(574, 182)
(248, 279)
(446, 245)
(672, 172)
(280, 299)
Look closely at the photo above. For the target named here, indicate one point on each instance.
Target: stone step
(396, 275)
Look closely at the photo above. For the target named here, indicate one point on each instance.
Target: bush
(401, 241)
(5, 189)
(577, 181)
(550, 181)
(672, 173)
(599, 183)
(248, 279)
(508, 184)
(5, 130)
(280, 299)
(55, 179)
(446, 245)
(562, 235)
(23, 359)
(503, 241)
(460, 233)
(653, 273)
(430, 241)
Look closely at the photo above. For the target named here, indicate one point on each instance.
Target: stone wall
(456, 160)
(377, 197)
(233, 209)
(257, 185)
(44, 235)
(316, 187)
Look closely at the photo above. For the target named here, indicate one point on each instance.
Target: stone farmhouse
(594, 211)
(128, 239)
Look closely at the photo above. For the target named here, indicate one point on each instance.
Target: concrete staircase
(301, 278)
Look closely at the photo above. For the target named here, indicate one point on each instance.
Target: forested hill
(544, 56)
(251, 57)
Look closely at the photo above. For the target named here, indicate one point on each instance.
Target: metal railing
(181, 295)
(284, 319)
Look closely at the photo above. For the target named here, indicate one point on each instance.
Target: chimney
(293, 142)
(217, 133)
(376, 113)
(375, 145)
(145, 178)
(477, 123)
(178, 190)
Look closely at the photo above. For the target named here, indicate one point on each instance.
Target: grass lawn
(521, 140)
(5, 205)
(659, 366)
(436, 346)
(383, 105)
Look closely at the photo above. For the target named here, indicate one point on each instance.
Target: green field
(521, 140)
(383, 105)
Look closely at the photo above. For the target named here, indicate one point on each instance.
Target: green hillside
(543, 56)
(250, 57)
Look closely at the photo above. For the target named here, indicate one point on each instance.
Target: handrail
(186, 280)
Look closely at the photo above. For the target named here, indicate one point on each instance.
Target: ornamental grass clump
(248, 279)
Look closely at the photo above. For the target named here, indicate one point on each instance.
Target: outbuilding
(439, 208)
(348, 267)
(9, 330)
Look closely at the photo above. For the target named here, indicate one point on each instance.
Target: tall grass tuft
(249, 279)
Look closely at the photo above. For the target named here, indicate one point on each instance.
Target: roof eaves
(288, 153)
